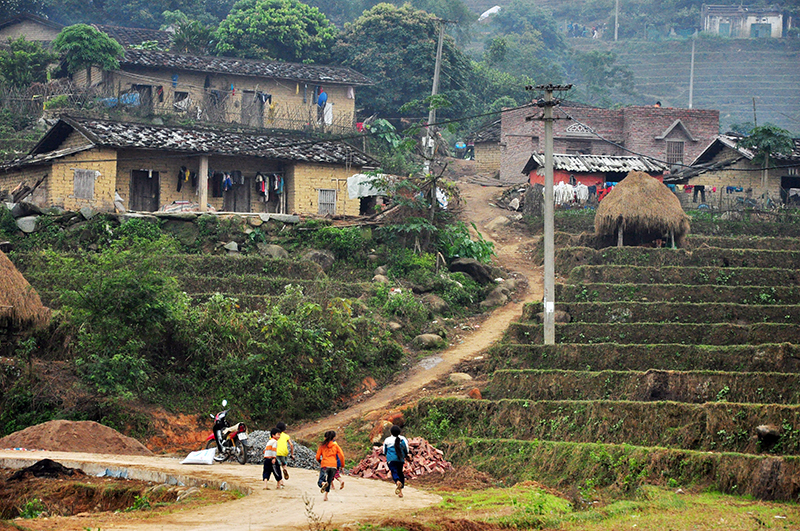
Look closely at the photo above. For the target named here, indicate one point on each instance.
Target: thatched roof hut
(641, 210)
(20, 305)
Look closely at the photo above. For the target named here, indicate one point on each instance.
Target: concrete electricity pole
(430, 138)
(549, 224)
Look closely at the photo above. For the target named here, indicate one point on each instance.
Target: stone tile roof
(195, 140)
(133, 36)
(245, 67)
(488, 133)
(596, 163)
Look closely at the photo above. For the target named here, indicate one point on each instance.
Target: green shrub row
(709, 426)
(677, 386)
(756, 295)
(670, 312)
(783, 357)
(642, 333)
(563, 465)
(740, 276)
(201, 265)
(568, 258)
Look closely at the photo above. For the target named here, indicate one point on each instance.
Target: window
(327, 202)
(760, 31)
(674, 152)
(83, 182)
(181, 101)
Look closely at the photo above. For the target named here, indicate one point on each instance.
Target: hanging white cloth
(328, 113)
(581, 192)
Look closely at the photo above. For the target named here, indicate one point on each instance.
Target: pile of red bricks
(423, 459)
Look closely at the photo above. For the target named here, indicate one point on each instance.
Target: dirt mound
(46, 468)
(69, 436)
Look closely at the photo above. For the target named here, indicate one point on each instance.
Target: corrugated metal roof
(245, 67)
(596, 163)
(127, 135)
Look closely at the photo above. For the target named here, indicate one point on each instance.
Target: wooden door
(145, 190)
(237, 199)
(252, 109)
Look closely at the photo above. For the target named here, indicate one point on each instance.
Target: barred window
(674, 152)
(327, 201)
(83, 182)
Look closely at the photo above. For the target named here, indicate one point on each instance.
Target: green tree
(84, 46)
(396, 46)
(284, 30)
(25, 62)
(767, 141)
(521, 16)
(191, 36)
(599, 80)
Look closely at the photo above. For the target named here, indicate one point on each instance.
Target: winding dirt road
(362, 500)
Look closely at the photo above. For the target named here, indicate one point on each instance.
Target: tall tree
(600, 81)
(283, 30)
(396, 47)
(25, 62)
(84, 46)
(767, 141)
(522, 16)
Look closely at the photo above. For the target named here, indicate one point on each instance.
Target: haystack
(641, 210)
(20, 305)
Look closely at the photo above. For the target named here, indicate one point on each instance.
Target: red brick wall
(634, 128)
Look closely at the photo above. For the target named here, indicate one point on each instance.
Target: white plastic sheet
(200, 457)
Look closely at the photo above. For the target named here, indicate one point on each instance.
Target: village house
(141, 167)
(673, 136)
(725, 176)
(487, 147)
(742, 22)
(591, 170)
(269, 94)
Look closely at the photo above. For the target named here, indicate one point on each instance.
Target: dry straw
(642, 206)
(20, 305)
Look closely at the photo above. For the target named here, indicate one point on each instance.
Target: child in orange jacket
(327, 455)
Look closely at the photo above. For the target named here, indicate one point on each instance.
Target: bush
(345, 243)
(454, 241)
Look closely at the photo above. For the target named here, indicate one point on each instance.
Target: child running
(285, 449)
(329, 456)
(395, 447)
(271, 460)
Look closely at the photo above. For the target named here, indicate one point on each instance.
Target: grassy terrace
(679, 386)
(670, 361)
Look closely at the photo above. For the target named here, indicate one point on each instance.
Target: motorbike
(229, 440)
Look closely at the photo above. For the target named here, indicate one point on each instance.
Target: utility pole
(430, 138)
(549, 224)
(616, 20)
(691, 71)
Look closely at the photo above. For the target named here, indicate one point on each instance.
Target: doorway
(237, 199)
(145, 185)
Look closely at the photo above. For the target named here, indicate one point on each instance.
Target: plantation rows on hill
(676, 368)
(729, 74)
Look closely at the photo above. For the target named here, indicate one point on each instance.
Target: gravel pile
(257, 440)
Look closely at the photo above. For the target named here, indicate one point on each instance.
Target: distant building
(672, 136)
(591, 170)
(741, 22)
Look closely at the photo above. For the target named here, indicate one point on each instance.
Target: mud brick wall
(304, 181)
(487, 155)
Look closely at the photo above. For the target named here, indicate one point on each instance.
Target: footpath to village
(362, 500)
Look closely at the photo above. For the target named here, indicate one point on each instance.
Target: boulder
(514, 204)
(373, 257)
(27, 224)
(272, 250)
(475, 394)
(428, 341)
(183, 231)
(380, 270)
(88, 212)
(497, 297)
(459, 377)
(231, 247)
(23, 209)
(473, 268)
(254, 221)
(380, 279)
(324, 259)
(435, 303)
(394, 326)
(381, 430)
(497, 223)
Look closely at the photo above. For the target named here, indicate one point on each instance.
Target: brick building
(672, 136)
(85, 162)
(487, 147)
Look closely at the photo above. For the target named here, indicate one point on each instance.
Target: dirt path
(362, 500)
(510, 247)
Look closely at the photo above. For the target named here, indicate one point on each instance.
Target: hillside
(729, 75)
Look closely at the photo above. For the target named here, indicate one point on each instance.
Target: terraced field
(252, 280)
(677, 368)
